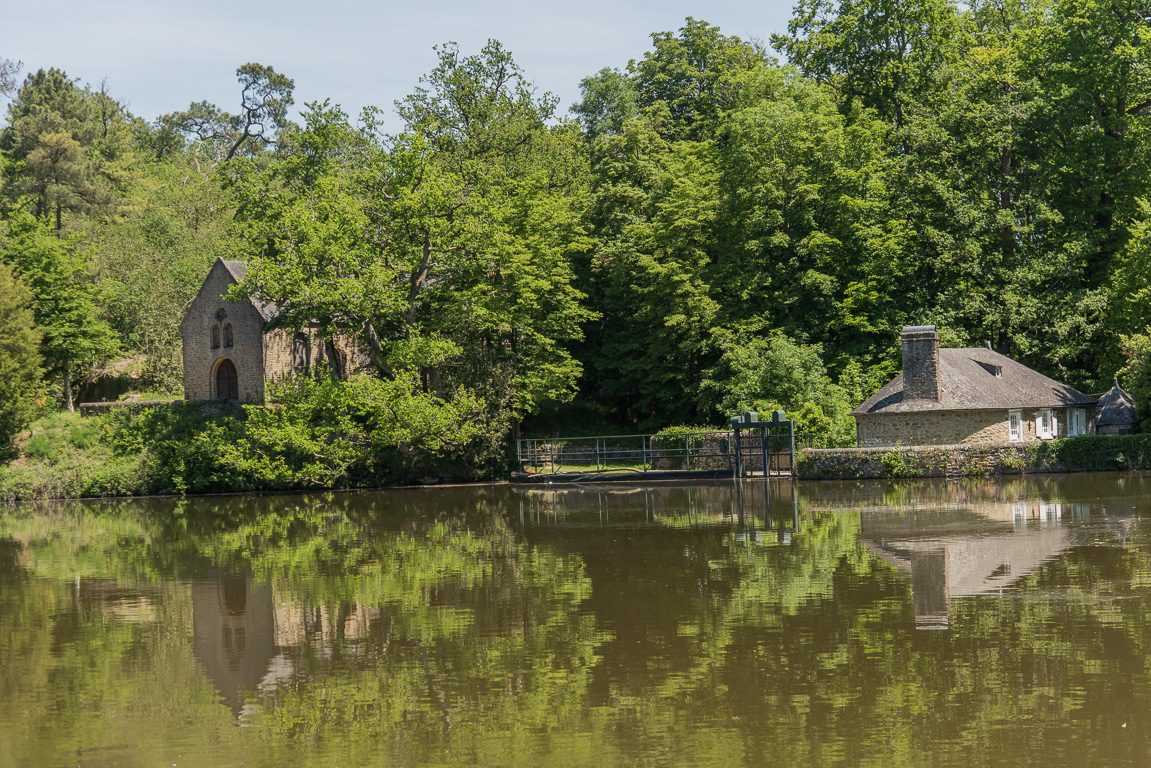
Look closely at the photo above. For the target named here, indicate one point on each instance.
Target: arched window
(221, 315)
(215, 337)
(227, 382)
(228, 335)
(300, 353)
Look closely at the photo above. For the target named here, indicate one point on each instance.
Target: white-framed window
(1045, 425)
(1015, 426)
(1076, 422)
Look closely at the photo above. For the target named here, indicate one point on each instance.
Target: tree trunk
(68, 390)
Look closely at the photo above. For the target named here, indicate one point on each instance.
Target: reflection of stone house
(232, 348)
(1115, 414)
(950, 396)
(975, 556)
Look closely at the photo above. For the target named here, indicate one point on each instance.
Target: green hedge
(1092, 453)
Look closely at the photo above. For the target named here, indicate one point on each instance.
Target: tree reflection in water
(711, 624)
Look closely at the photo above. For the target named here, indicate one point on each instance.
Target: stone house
(978, 396)
(232, 348)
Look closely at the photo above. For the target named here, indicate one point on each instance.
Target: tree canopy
(708, 223)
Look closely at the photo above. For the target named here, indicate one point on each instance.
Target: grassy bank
(180, 449)
(67, 456)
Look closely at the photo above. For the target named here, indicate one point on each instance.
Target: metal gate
(764, 448)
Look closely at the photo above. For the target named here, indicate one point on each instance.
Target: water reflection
(234, 634)
(714, 624)
(758, 511)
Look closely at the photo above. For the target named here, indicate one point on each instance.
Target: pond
(757, 623)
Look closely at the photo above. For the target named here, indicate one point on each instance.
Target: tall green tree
(19, 358)
(444, 246)
(265, 97)
(65, 155)
(74, 336)
(885, 53)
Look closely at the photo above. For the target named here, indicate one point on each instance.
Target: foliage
(73, 335)
(711, 221)
(1096, 453)
(324, 432)
(1137, 374)
(20, 394)
(67, 456)
(446, 246)
(265, 96)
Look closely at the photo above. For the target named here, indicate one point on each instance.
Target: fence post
(738, 451)
(643, 444)
(686, 455)
(597, 454)
(791, 425)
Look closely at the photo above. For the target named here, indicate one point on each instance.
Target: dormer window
(999, 371)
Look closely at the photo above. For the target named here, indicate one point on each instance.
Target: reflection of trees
(443, 623)
(431, 626)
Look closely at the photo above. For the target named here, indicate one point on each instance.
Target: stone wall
(983, 427)
(1076, 454)
(910, 461)
(287, 352)
(99, 409)
(246, 352)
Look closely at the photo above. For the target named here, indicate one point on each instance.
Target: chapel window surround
(215, 337)
(227, 334)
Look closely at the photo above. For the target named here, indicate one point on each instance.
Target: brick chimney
(921, 363)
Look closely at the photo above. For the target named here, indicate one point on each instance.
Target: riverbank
(1086, 453)
(180, 449)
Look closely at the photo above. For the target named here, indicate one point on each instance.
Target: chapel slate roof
(967, 378)
(1116, 407)
(238, 269)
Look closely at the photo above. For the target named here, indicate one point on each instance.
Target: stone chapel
(232, 348)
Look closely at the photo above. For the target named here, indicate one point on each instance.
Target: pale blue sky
(160, 56)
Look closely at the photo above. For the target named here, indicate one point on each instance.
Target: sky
(159, 56)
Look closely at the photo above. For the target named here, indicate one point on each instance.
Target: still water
(912, 623)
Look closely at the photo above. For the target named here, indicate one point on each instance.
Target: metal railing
(628, 453)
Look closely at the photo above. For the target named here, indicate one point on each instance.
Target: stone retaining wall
(921, 461)
(206, 407)
(99, 409)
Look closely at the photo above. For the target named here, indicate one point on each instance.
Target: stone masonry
(921, 363)
(975, 427)
(201, 360)
(215, 329)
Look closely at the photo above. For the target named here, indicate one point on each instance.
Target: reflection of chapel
(231, 348)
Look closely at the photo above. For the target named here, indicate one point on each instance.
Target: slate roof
(1116, 406)
(238, 269)
(967, 378)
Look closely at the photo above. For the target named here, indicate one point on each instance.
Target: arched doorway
(227, 383)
